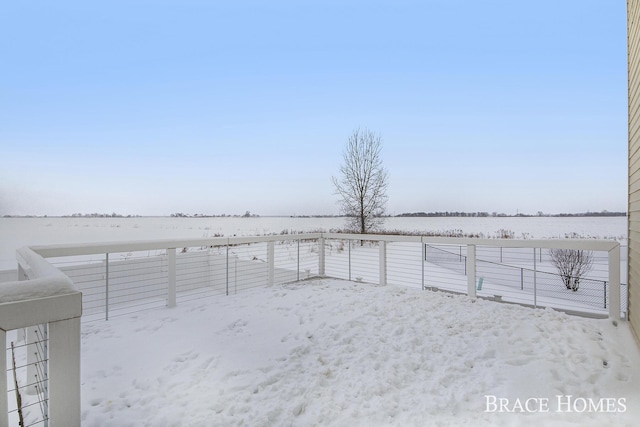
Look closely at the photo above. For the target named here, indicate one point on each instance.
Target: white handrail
(47, 297)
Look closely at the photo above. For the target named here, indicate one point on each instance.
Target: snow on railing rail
(46, 306)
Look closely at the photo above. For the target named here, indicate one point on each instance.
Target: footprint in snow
(518, 362)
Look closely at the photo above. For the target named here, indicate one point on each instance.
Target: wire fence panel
(134, 281)
(451, 257)
(90, 279)
(405, 264)
(442, 278)
(365, 261)
(337, 260)
(247, 266)
(295, 260)
(30, 374)
(527, 276)
(127, 283)
(200, 273)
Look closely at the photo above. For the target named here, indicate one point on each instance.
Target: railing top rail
(586, 244)
(73, 249)
(373, 237)
(36, 311)
(142, 245)
(48, 296)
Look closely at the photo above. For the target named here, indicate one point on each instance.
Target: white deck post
(383, 262)
(614, 283)
(4, 407)
(171, 288)
(424, 258)
(31, 341)
(271, 262)
(64, 373)
(321, 263)
(471, 271)
(535, 280)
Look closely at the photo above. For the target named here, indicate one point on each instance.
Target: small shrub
(505, 234)
(572, 265)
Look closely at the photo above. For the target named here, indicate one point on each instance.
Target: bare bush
(504, 233)
(572, 264)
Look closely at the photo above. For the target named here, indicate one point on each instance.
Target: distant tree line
(441, 214)
(247, 214)
(496, 214)
(98, 215)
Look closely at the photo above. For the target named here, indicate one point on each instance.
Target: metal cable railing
(525, 275)
(128, 281)
(31, 360)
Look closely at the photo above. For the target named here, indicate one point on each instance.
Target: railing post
(614, 282)
(383, 262)
(270, 262)
(227, 268)
(64, 372)
(171, 288)
(349, 242)
(298, 268)
(106, 287)
(470, 266)
(424, 258)
(605, 294)
(321, 261)
(4, 406)
(30, 341)
(535, 280)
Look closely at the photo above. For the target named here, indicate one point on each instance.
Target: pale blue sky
(155, 107)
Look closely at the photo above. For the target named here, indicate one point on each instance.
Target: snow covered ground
(331, 352)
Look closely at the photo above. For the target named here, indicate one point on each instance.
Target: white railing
(43, 296)
(399, 264)
(121, 277)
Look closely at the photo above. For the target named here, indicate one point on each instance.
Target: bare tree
(362, 186)
(572, 264)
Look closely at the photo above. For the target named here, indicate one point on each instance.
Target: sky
(157, 107)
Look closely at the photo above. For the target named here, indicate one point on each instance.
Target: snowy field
(330, 352)
(18, 232)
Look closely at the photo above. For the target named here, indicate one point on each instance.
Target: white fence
(124, 277)
(119, 278)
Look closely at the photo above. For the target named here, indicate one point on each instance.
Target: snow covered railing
(45, 296)
(129, 276)
(394, 253)
(118, 278)
(123, 277)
